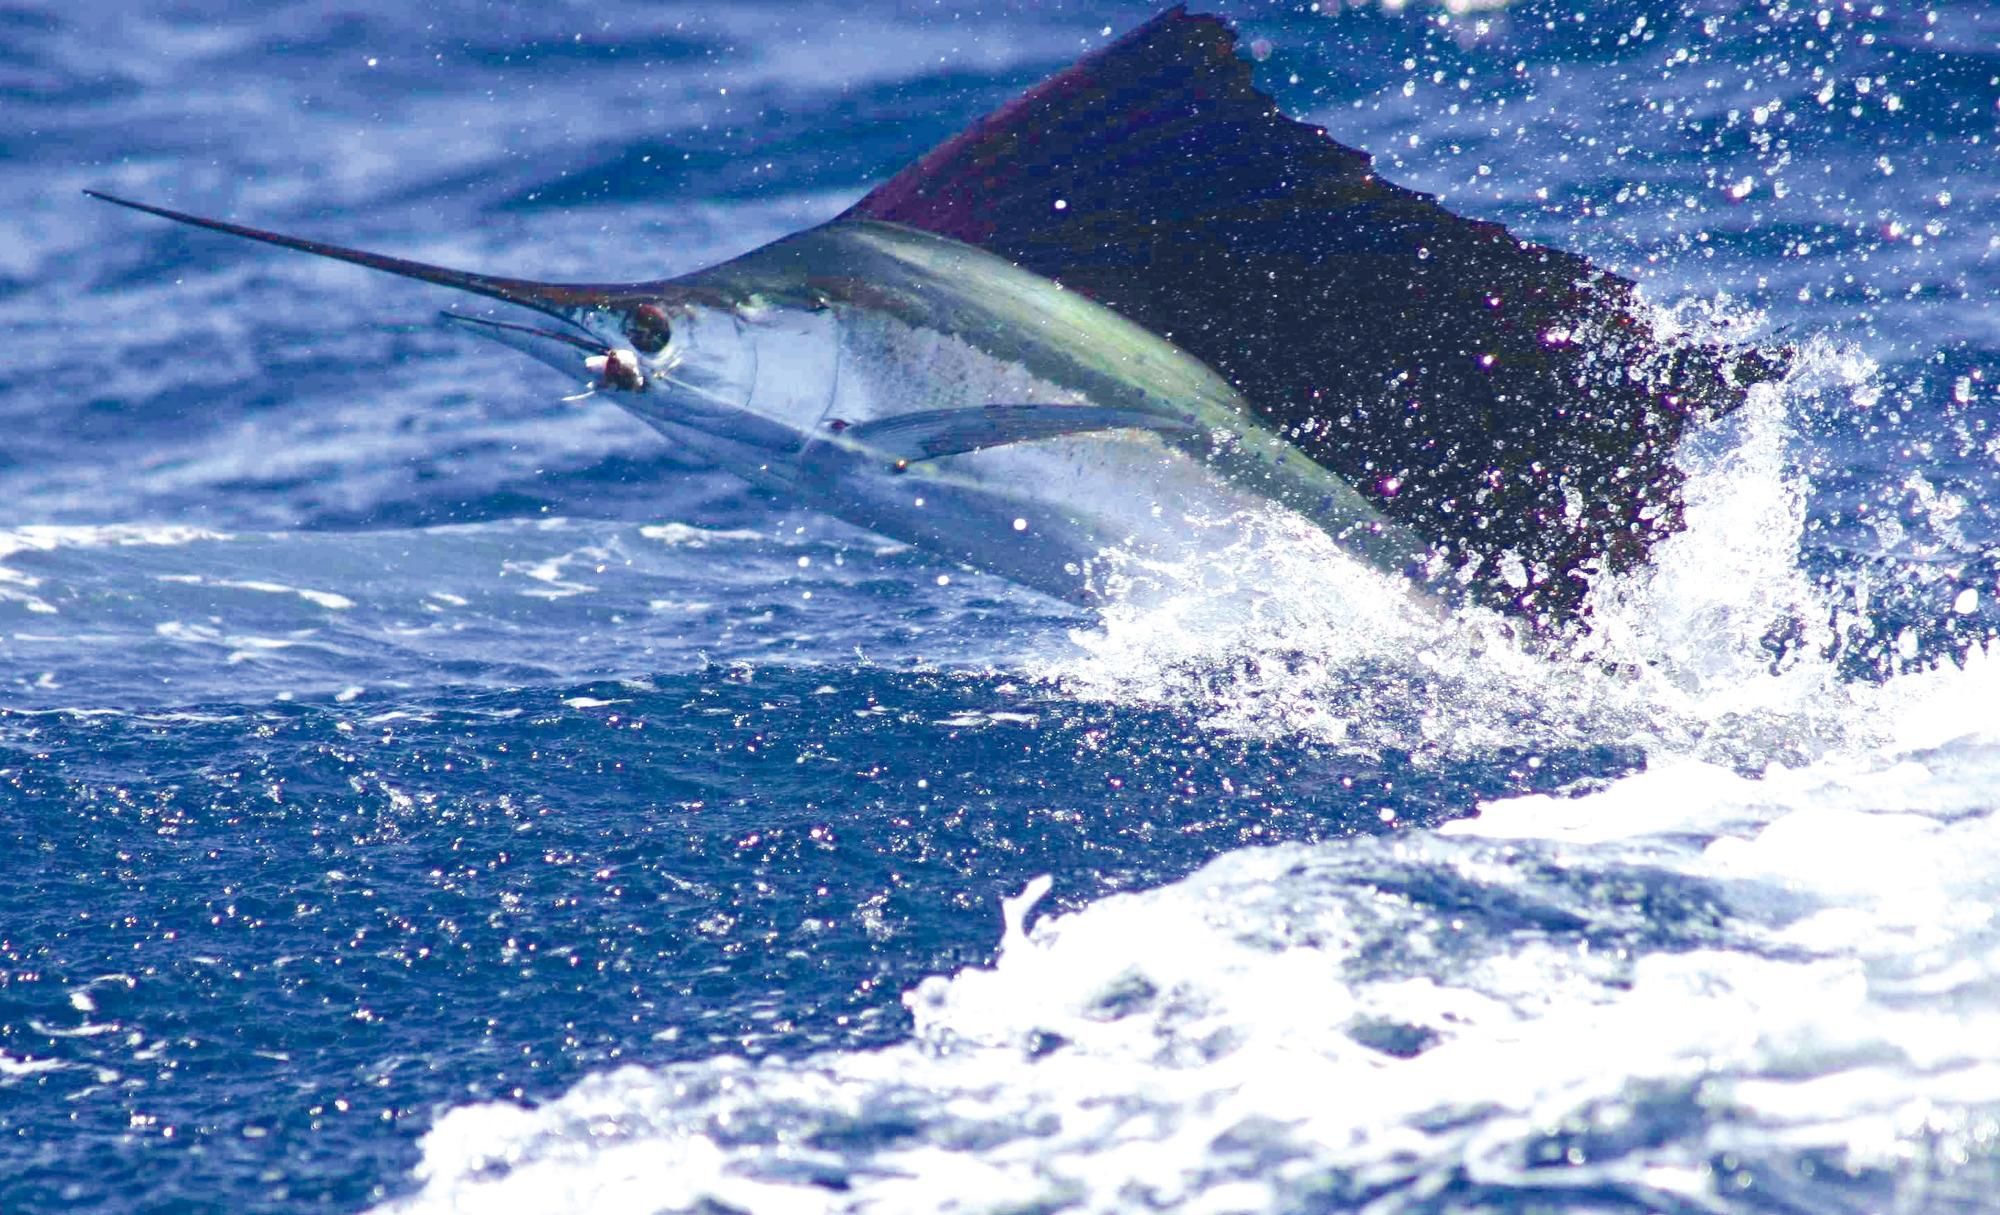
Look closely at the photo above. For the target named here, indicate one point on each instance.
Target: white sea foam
(689, 536)
(1684, 987)
(1260, 636)
(43, 537)
(330, 600)
(18, 586)
(1719, 648)
(550, 571)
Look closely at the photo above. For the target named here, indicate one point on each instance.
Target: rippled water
(426, 793)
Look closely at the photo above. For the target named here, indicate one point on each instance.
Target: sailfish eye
(647, 329)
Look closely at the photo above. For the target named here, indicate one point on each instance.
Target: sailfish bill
(1136, 304)
(552, 298)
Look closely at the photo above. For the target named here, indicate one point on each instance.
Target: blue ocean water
(423, 792)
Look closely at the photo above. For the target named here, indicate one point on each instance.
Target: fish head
(658, 350)
(742, 379)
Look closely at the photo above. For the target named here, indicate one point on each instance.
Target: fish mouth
(609, 366)
(550, 346)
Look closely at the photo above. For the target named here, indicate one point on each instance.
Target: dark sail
(1505, 399)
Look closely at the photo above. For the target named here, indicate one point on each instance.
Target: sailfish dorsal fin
(1505, 399)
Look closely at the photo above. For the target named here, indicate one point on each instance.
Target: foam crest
(47, 537)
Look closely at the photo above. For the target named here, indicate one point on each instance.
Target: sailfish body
(942, 396)
(1135, 308)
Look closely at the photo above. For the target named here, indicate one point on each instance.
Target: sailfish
(1136, 304)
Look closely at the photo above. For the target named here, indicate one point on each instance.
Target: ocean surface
(419, 792)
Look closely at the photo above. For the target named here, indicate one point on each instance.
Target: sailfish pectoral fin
(933, 434)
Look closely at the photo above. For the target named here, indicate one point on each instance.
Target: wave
(1688, 990)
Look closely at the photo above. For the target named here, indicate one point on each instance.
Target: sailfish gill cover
(1506, 400)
